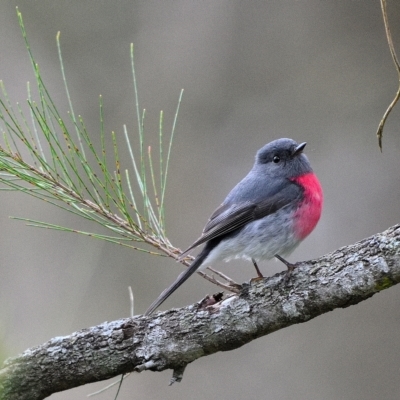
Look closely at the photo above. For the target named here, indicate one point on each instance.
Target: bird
(266, 215)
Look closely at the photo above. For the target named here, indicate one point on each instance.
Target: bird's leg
(260, 275)
(290, 267)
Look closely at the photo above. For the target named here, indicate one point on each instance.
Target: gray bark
(175, 338)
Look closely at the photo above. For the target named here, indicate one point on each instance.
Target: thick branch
(174, 338)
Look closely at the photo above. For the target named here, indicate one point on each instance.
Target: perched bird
(266, 215)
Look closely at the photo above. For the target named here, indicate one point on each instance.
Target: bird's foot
(260, 275)
(290, 268)
(288, 275)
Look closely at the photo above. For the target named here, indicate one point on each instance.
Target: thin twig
(118, 382)
(379, 132)
(132, 301)
(232, 286)
(223, 276)
(234, 289)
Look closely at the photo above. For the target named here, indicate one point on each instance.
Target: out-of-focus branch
(175, 338)
(379, 132)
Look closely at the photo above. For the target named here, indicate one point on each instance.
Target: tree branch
(175, 338)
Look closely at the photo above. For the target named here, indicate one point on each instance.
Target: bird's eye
(276, 159)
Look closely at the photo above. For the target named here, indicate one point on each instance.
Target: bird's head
(283, 158)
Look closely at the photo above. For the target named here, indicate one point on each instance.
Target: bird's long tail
(193, 267)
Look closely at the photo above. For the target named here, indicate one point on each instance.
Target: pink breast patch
(309, 211)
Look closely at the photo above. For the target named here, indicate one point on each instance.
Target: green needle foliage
(56, 161)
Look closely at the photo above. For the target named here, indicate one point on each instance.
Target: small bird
(266, 215)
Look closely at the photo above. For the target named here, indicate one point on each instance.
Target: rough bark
(175, 338)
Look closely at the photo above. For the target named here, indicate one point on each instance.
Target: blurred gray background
(315, 71)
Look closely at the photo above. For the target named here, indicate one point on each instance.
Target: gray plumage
(255, 221)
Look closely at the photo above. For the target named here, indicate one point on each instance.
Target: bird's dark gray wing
(229, 217)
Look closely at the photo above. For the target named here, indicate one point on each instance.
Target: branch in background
(162, 341)
(379, 132)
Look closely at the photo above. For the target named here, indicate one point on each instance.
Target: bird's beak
(299, 149)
